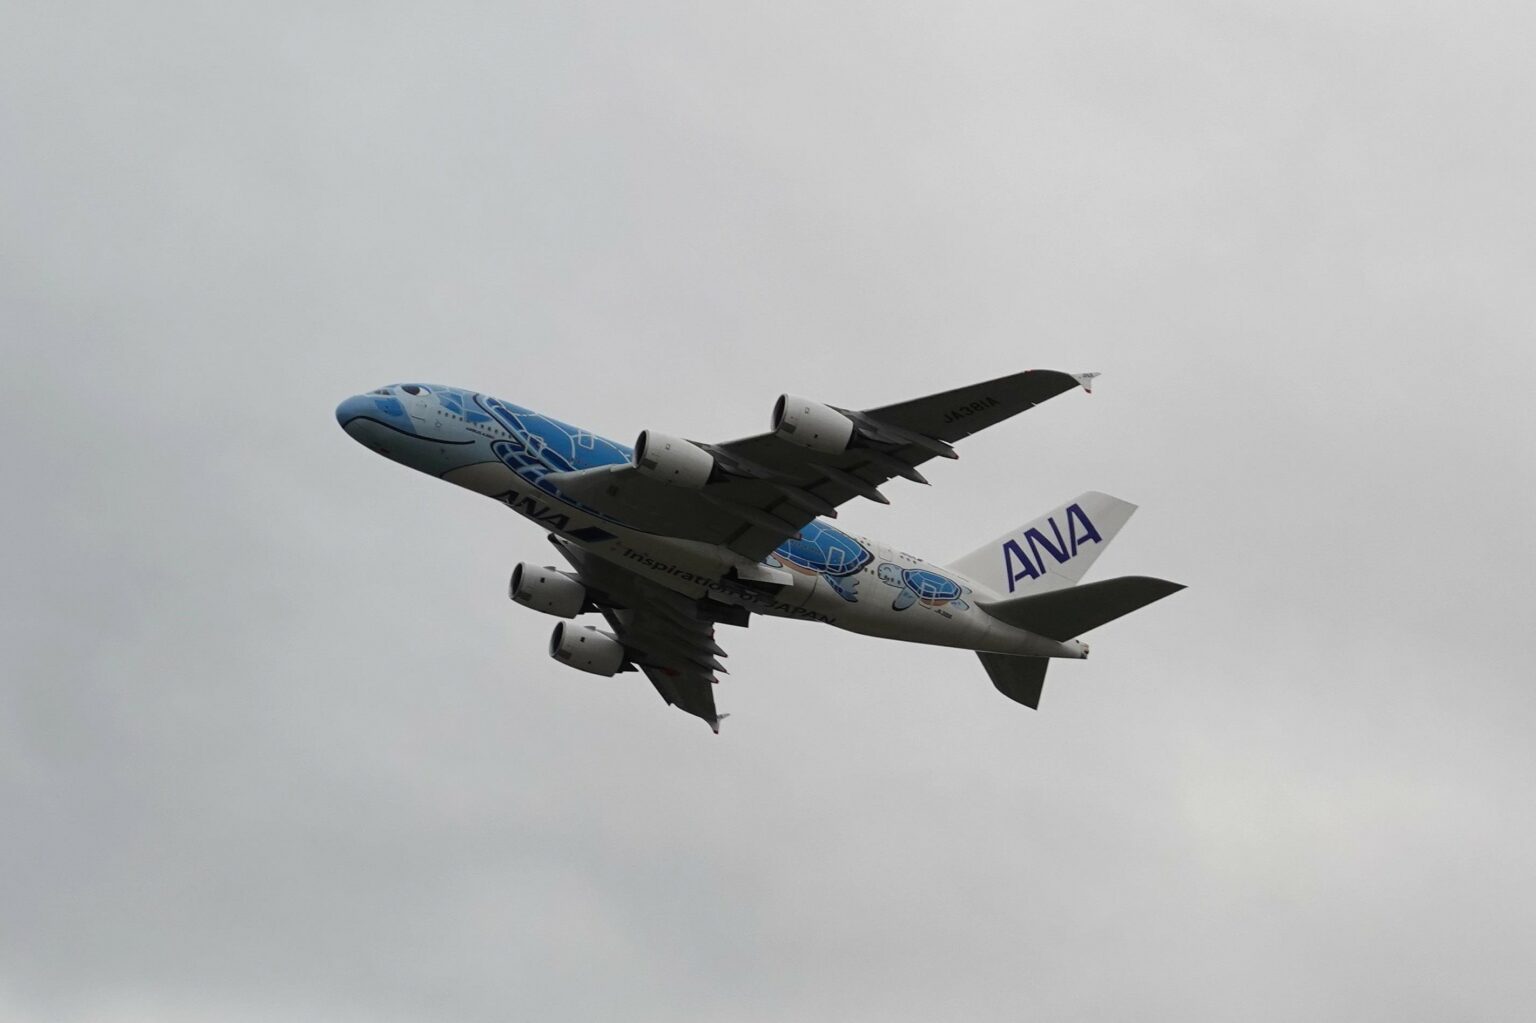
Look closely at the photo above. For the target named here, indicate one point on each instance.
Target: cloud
(272, 743)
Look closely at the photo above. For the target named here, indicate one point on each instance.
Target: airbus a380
(671, 537)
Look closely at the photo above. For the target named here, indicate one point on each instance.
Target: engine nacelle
(672, 460)
(586, 649)
(548, 590)
(810, 424)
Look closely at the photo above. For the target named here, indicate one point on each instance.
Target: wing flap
(662, 632)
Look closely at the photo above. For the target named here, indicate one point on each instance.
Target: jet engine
(672, 460)
(548, 590)
(586, 649)
(811, 424)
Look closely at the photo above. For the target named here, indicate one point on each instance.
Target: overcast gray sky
(273, 743)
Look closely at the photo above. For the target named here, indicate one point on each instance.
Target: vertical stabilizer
(1051, 552)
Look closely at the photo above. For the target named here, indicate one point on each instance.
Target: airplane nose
(351, 408)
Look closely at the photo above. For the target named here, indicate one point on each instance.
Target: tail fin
(1066, 614)
(1051, 552)
(1019, 678)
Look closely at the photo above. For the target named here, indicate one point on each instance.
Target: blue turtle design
(542, 445)
(920, 584)
(829, 553)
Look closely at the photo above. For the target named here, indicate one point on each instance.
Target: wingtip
(1086, 379)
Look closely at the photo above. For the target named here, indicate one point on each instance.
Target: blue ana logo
(1019, 563)
(538, 512)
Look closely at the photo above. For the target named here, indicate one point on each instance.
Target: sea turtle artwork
(540, 445)
(918, 585)
(830, 553)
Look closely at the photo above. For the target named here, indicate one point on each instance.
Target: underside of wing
(751, 495)
(664, 634)
(954, 415)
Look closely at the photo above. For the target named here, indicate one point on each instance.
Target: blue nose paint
(389, 411)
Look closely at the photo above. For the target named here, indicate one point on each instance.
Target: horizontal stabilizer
(1019, 678)
(1068, 613)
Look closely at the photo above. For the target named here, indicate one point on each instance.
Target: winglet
(715, 724)
(1086, 379)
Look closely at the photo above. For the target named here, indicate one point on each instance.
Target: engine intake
(548, 590)
(586, 649)
(811, 424)
(672, 460)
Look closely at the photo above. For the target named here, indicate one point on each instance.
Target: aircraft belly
(958, 630)
(886, 610)
(802, 594)
(488, 478)
(793, 601)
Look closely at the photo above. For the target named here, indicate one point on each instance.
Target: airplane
(671, 537)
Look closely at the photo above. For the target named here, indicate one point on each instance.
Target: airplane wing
(661, 631)
(768, 488)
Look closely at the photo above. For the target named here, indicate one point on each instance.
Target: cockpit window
(383, 390)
